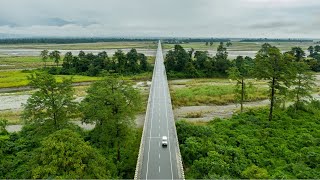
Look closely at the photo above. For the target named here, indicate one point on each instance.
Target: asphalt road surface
(159, 162)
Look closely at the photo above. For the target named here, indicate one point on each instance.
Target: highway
(159, 162)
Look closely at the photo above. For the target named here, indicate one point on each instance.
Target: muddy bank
(28, 88)
(207, 113)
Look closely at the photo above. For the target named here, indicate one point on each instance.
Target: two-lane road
(159, 162)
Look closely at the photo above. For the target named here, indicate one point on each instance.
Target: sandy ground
(209, 112)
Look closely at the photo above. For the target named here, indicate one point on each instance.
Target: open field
(84, 46)
(13, 117)
(19, 78)
(243, 46)
(236, 46)
(22, 62)
(211, 92)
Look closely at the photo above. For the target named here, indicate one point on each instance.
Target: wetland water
(147, 52)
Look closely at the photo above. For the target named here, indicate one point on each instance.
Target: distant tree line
(275, 40)
(165, 40)
(314, 55)
(97, 39)
(190, 40)
(92, 65)
(69, 40)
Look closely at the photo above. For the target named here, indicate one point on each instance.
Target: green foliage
(50, 147)
(3, 125)
(52, 104)
(302, 85)
(181, 64)
(64, 154)
(250, 146)
(44, 56)
(112, 104)
(239, 72)
(254, 172)
(202, 94)
(276, 68)
(94, 65)
(55, 56)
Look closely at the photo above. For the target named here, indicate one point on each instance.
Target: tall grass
(211, 95)
(19, 78)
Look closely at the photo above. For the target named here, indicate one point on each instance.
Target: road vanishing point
(154, 160)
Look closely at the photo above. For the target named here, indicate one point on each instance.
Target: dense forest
(93, 65)
(50, 146)
(248, 146)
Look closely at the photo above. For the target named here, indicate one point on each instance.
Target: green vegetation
(50, 146)
(21, 62)
(241, 46)
(13, 117)
(240, 71)
(84, 46)
(181, 64)
(277, 69)
(250, 146)
(200, 94)
(19, 78)
(111, 104)
(52, 104)
(94, 65)
(82, 160)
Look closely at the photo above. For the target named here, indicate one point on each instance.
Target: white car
(164, 141)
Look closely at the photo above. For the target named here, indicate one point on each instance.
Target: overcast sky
(161, 18)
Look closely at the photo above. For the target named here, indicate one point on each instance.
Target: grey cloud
(195, 18)
(273, 25)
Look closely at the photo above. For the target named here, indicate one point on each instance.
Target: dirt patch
(210, 112)
(12, 102)
(317, 79)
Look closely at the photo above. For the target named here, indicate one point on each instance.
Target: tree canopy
(53, 102)
(65, 155)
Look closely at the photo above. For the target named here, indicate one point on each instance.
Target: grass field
(84, 46)
(19, 78)
(22, 62)
(243, 46)
(13, 117)
(211, 92)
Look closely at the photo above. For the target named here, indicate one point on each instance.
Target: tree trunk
(118, 152)
(297, 95)
(272, 98)
(242, 94)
